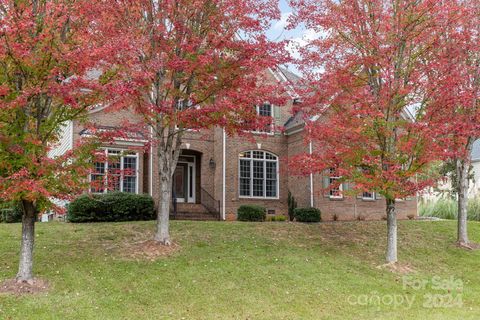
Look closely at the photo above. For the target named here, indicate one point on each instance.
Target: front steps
(194, 212)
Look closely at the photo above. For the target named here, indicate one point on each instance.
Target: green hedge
(10, 212)
(11, 215)
(251, 213)
(307, 215)
(111, 207)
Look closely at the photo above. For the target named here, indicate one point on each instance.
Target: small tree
(455, 107)
(189, 64)
(365, 71)
(292, 205)
(42, 46)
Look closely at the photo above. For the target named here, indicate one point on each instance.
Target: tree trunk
(392, 232)
(25, 268)
(462, 168)
(169, 149)
(163, 214)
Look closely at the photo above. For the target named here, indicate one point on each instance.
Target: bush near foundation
(111, 207)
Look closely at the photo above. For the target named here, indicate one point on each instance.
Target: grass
(446, 208)
(241, 271)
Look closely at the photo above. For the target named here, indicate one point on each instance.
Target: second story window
(265, 110)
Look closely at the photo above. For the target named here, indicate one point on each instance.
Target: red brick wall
(208, 144)
(115, 119)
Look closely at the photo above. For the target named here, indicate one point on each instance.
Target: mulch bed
(470, 246)
(147, 250)
(12, 286)
(397, 267)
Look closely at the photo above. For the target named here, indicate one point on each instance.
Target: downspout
(311, 176)
(151, 162)
(224, 214)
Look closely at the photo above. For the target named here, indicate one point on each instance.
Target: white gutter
(224, 171)
(311, 177)
(151, 162)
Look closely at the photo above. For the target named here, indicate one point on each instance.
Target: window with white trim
(368, 195)
(118, 172)
(265, 110)
(258, 174)
(336, 190)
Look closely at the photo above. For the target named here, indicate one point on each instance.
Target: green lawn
(243, 271)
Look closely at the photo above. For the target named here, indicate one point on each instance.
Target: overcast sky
(299, 35)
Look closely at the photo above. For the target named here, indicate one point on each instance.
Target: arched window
(258, 174)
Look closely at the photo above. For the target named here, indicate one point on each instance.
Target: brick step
(191, 208)
(193, 216)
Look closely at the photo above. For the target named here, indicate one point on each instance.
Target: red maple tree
(45, 55)
(455, 101)
(368, 93)
(189, 64)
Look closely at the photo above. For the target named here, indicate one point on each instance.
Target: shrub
(446, 208)
(292, 205)
(251, 213)
(307, 215)
(276, 218)
(442, 208)
(10, 213)
(111, 207)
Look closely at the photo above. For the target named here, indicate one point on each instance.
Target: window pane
(270, 156)
(130, 184)
(97, 183)
(258, 187)
(258, 169)
(271, 188)
(245, 168)
(113, 183)
(99, 167)
(265, 110)
(114, 175)
(245, 176)
(114, 152)
(271, 170)
(245, 155)
(335, 191)
(258, 178)
(130, 166)
(258, 154)
(114, 166)
(367, 195)
(245, 187)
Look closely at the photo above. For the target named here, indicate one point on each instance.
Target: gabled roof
(290, 79)
(290, 76)
(294, 122)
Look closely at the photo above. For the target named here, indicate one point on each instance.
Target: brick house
(216, 173)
